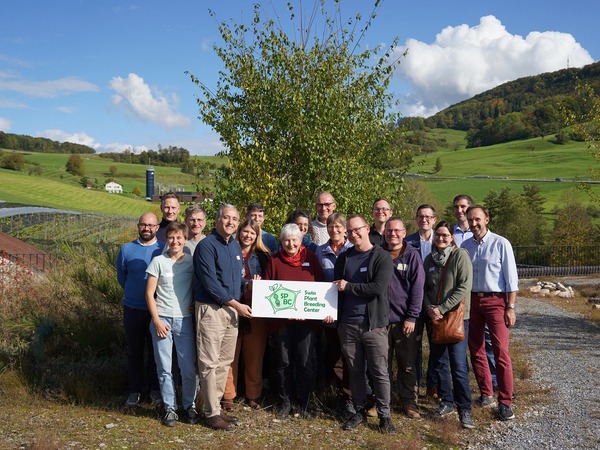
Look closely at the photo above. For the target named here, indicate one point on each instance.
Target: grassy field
(128, 175)
(39, 191)
(505, 165)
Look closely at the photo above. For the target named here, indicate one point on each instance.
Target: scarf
(297, 260)
(441, 258)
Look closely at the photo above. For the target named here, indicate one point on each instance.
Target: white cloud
(75, 138)
(464, 61)
(5, 124)
(117, 147)
(45, 89)
(84, 139)
(12, 104)
(135, 96)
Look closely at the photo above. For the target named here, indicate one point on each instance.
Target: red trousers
(490, 310)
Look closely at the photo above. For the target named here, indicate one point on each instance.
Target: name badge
(432, 269)
(306, 264)
(237, 257)
(401, 267)
(363, 269)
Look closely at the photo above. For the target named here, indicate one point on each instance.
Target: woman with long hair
(301, 217)
(449, 276)
(252, 337)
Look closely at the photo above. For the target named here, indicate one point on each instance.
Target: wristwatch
(510, 305)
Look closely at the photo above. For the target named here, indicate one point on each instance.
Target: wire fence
(47, 230)
(557, 260)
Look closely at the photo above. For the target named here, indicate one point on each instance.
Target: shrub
(64, 329)
(13, 161)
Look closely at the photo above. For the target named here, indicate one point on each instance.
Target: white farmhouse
(114, 188)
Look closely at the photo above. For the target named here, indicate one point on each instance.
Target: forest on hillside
(529, 107)
(26, 143)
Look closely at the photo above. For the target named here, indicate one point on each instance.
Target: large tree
(302, 114)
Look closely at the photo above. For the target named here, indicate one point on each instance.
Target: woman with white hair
(294, 339)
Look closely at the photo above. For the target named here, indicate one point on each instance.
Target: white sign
(294, 299)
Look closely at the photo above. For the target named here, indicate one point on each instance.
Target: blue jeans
(136, 322)
(183, 335)
(431, 378)
(489, 351)
(457, 390)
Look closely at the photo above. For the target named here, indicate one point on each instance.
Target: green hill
(520, 109)
(521, 95)
(54, 187)
(477, 171)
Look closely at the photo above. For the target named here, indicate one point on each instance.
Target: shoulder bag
(451, 328)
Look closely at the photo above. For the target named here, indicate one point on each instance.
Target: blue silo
(149, 182)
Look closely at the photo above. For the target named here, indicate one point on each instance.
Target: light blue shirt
(494, 266)
(460, 236)
(327, 258)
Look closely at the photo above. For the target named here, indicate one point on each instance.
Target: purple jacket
(405, 291)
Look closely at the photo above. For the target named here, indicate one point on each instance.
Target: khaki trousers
(216, 335)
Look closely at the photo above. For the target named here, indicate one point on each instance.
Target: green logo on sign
(282, 298)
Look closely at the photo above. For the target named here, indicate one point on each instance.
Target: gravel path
(565, 351)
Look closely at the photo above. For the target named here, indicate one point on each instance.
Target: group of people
(188, 303)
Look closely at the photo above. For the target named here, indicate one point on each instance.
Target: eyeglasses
(196, 220)
(395, 230)
(356, 230)
(324, 205)
(147, 225)
(425, 217)
(442, 236)
(381, 209)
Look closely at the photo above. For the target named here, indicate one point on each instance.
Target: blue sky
(110, 74)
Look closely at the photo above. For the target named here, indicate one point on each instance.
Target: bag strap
(439, 293)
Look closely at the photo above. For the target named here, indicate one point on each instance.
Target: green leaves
(300, 114)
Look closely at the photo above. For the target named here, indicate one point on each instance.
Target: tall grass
(64, 330)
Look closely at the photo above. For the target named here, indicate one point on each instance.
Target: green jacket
(456, 285)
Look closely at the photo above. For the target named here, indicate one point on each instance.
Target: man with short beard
(132, 262)
(362, 275)
(460, 204)
(493, 296)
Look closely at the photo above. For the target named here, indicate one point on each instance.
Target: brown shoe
(254, 404)
(372, 411)
(217, 423)
(229, 419)
(411, 411)
(371, 407)
(227, 405)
